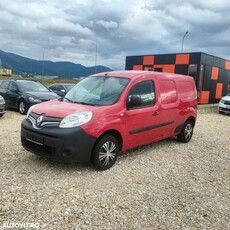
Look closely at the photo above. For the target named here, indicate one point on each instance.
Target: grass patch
(45, 81)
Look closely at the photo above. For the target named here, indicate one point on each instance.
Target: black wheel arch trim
(180, 126)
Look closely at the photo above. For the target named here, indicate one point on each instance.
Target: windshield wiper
(68, 99)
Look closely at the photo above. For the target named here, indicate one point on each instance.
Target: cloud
(66, 30)
(107, 24)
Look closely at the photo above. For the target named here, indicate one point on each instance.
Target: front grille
(46, 121)
(225, 109)
(227, 102)
(41, 150)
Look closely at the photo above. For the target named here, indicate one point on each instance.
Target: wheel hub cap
(107, 153)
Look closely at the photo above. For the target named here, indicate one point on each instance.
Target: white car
(224, 104)
(2, 106)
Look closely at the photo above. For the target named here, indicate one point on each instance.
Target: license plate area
(35, 139)
(228, 107)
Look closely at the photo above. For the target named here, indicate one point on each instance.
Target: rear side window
(4, 84)
(13, 86)
(186, 90)
(53, 87)
(168, 92)
(59, 87)
(145, 90)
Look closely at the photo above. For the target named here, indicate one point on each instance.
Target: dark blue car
(21, 94)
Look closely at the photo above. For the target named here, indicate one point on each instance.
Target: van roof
(138, 73)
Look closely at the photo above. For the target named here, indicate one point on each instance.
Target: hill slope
(27, 66)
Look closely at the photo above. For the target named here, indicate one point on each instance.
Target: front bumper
(224, 108)
(57, 144)
(2, 108)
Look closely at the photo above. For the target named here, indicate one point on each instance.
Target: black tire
(105, 152)
(22, 107)
(1, 115)
(186, 132)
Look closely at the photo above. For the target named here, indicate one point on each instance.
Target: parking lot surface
(165, 185)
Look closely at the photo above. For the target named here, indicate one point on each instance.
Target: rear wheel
(186, 132)
(105, 152)
(22, 107)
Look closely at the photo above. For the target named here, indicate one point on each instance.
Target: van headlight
(76, 119)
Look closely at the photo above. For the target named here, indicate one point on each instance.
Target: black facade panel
(209, 60)
(221, 63)
(133, 60)
(203, 58)
(207, 78)
(216, 61)
(181, 69)
(212, 90)
(165, 59)
(221, 75)
(194, 58)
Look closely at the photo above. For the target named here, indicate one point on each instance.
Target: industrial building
(211, 74)
(5, 72)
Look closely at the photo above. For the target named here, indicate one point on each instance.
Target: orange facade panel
(215, 73)
(204, 97)
(169, 68)
(219, 88)
(182, 58)
(137, 67)
(227, 65)
(148, 60)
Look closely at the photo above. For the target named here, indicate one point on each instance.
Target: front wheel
(186, 132)
(105, 152)
(22, 107)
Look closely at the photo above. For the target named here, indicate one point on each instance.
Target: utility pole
(183, 41)
(95, 56)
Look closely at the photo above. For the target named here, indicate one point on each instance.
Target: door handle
(155, 114)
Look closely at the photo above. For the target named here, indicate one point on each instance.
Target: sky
(106, 31)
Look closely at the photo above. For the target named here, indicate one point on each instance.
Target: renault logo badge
(39, 120)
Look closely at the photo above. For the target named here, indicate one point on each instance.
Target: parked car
(224, 104)
(21, 94)
(108, 113)
(2, 106)
(61, 89)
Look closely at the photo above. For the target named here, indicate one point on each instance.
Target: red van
(108, 113)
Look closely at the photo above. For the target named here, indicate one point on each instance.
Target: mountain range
(26, 66)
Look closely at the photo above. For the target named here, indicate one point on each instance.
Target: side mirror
(63, 91)
(134, 101)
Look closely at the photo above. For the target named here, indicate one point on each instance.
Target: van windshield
(99, 90)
